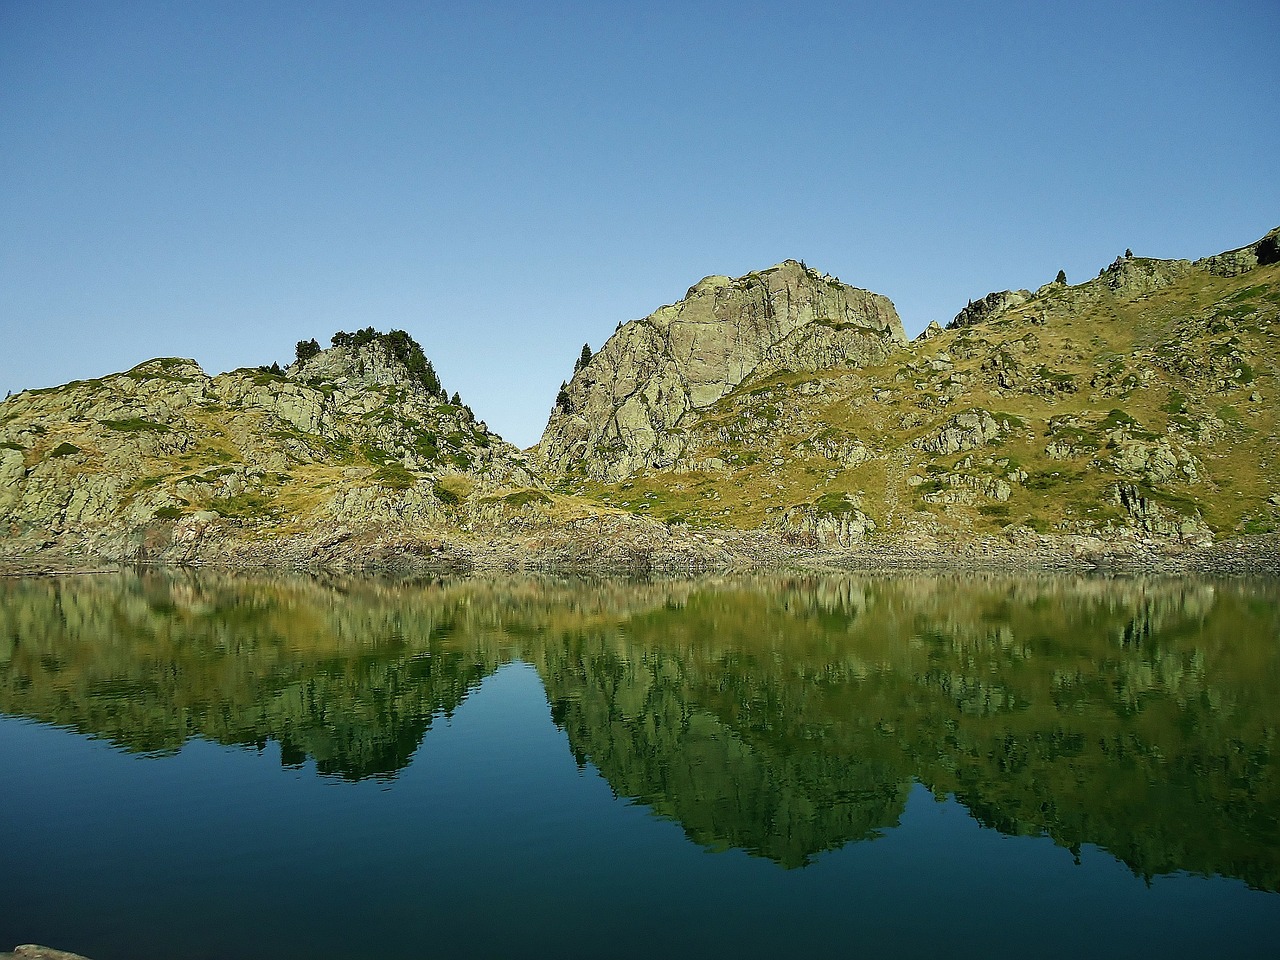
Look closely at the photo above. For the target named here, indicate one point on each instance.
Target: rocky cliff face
(1232, 263)
(156, 460)
(624, 409)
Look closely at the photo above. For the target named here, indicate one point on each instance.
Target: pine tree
(1061, 277)
(584, 358)
(306, 349)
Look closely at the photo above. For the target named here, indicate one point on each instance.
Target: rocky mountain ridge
(1138, 404)
(780, 417)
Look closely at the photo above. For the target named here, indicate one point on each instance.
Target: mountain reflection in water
(784, 717)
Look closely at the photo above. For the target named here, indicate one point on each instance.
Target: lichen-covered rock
(965, 431)
(1129, 277)
(1149, 515)
(1232, 263)
(845, 451)
(622, 410)
(928, 333)
(967, 490)
(989, 306)
(371, 364)
(815, 526)
(1157, 462)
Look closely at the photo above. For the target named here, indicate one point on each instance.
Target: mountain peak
(370, 358)
(620, 411)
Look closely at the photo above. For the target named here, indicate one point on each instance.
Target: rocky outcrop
(1129, 276)
(1153, 517)
(966, 431)
(819, 525)
(623, 409)
(928, 333)
(761, 419)
(1232, 263)
(1155, 376)
(369, 365)
(989, 306)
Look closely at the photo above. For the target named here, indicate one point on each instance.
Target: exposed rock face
(1129, 277)
(1152, 517)
(812, 524)
(1232, 263)
(989, 306)
(965, 431)
(782, 411)
(928, 333)
(622, 411)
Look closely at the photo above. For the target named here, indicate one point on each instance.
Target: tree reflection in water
(781, 716)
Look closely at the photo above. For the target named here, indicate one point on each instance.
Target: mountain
(625, 408)
(1140, 403)
(779, 417)
(165, 461)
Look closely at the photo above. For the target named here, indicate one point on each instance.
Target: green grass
(451, 490)
(249, 505)
(523, 498)
(376, 455)
(145, 483)
(135, 425)
(1045, 479)
(834, 505)
(1172, 501)
(1259, 526)
(208, 476)
(395, 477)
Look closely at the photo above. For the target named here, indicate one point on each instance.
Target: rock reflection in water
(784, 717)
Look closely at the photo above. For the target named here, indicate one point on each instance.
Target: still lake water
(203, 765)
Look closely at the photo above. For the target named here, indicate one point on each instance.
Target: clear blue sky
(507, 180)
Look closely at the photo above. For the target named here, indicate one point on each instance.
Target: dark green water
(210, 766)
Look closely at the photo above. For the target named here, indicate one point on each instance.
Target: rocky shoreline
(624, 549)
(30, 951)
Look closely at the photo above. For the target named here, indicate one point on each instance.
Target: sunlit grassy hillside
(1143, 400)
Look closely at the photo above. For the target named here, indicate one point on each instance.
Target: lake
(211, 765)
